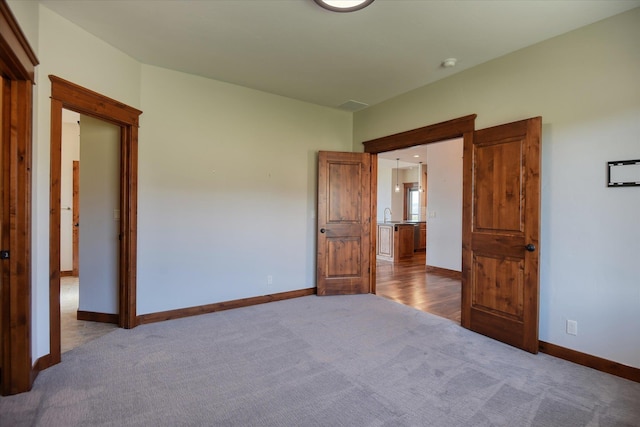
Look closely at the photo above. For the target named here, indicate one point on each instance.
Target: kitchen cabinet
(421, 237)
(395, 241)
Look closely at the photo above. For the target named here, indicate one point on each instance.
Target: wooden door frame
(461, 127)
(70, 96)
(75, 220)
(17, 66)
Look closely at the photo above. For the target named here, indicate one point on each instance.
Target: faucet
(385, 214)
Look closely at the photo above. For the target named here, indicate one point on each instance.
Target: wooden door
(344, 223)
(501, 232)
(3, 129)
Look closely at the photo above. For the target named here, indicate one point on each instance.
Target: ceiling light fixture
(397, 171)
(344, 5)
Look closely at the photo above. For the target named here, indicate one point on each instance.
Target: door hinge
(4, 254)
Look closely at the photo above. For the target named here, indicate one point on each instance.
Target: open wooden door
(344, 223)
(501, 225)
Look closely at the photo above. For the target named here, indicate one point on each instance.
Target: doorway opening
(500, 223)
(460, 128)
(67, 95)
(429, 177)
(97, 143)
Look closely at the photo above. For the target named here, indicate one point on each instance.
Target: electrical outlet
(269, 280)
(572, 327)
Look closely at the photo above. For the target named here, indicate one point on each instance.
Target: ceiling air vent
(353, 106)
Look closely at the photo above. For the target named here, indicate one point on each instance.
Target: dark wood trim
(433, 133)
(597, 363)
(17, 66)
(93, 316)
(65, 94)
(67, 273)
(220, 306)
(467, 219)
(85, 101)
(41, 364)
(452, 274)
(75, 234)
(55, 159)
(374, 222)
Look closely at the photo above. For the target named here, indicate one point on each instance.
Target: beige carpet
(317, 361)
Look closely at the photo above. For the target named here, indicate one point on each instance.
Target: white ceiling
(296, 49)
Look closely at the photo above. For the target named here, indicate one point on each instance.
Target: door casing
(465, 127)
(17, 67)
(462, 127)
(70, 96)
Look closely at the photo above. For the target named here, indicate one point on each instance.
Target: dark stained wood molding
(595, 362)
(41, 364)
(452, 274)
(220, 306)
(55, 190)
(17, 65)
(450, 129)
(467, 218)
(66, 273)
(93, 316)
(86, 101)
(374, 223)
(65, 94)
(19, 60)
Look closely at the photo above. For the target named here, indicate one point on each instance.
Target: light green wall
(585, 85)
(227, 192)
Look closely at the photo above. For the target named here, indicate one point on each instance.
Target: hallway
(76, 332)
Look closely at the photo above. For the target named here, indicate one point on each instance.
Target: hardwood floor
(408, 282)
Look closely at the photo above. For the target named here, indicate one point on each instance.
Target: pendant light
(397, 180)
(420, 189)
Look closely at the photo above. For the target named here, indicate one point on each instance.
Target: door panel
(344, 221)
(501, 217)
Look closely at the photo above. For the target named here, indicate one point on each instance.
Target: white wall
(99, 215)
(444, 205)
(70, 152)
(227, 191)
(386, 180)
(584, 84)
